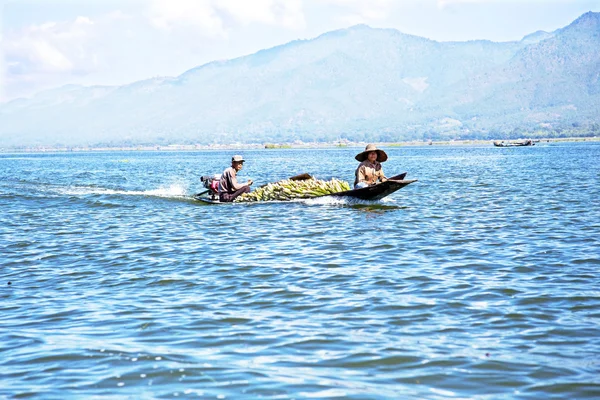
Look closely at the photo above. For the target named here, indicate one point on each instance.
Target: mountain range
(359, 83)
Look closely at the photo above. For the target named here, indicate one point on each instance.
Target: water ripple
(479, 281)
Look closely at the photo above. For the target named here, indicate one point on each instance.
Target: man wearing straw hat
(369, 171)
(229, 188)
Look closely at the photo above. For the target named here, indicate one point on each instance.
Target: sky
(46, 44)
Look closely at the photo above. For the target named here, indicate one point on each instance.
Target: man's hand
(250, 182)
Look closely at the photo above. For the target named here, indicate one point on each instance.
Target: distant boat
(516, 143)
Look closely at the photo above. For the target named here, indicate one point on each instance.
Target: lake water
(479, 281)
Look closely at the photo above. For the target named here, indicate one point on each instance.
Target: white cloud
(446, 3)
(83, 21)
(199, 15)
(118, 15)
(209, 16)
(354, 12)
(49, 47)
(285, 13)
(158, 37)
(48, 56)
(361, 3)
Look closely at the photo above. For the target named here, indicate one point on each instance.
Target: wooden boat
(371, 193)
(518, 143)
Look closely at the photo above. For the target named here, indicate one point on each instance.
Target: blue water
(479, 281)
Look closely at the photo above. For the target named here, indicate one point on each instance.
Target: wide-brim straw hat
(381, 156)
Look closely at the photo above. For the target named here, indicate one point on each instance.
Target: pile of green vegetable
(290, 189)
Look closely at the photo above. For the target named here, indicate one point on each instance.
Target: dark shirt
(228, 182)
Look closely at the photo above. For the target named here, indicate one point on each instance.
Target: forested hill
(358, 83)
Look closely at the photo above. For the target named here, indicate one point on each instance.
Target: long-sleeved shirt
(228, 182)
(369, 173)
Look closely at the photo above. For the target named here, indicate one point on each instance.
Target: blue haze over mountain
(357, 83)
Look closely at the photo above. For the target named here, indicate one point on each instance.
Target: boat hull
(378, 191)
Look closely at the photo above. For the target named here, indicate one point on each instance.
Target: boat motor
(212, 184)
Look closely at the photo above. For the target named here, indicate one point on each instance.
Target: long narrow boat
(520, 143)
(372, 193)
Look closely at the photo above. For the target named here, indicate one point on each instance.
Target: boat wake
(351, 202)
(329, 200)
(172, 191)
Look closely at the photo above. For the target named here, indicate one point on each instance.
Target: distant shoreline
(276, 146)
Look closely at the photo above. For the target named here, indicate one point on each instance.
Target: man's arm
(382, 177)
(237, 186)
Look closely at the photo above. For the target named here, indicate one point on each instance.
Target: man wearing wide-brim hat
(229, 188)
(369, 171)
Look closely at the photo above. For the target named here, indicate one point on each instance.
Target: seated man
(229, 188)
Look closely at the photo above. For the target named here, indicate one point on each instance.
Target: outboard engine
(212, 184)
